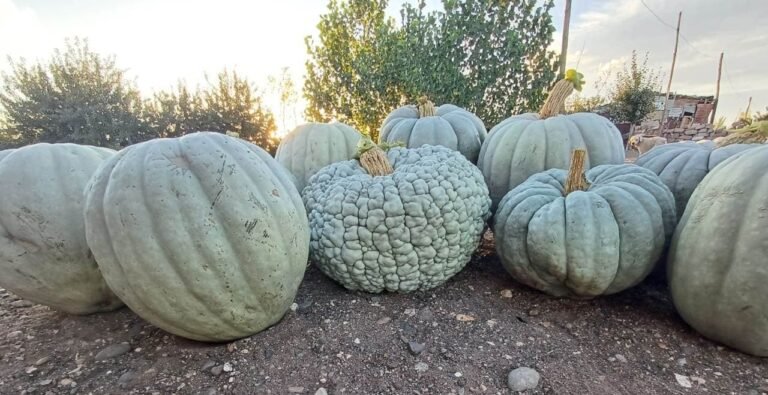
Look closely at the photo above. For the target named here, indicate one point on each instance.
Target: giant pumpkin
(526, 144)
(447, 125)
(682, 166)
(312, 146)
(204, 235)
(400, 221)
(44, 256)
(584, 234)
(717, 265)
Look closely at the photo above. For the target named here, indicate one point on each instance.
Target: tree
(77, 96)
(633, 92)
(489, 56)
(230, 103)
(286, 92)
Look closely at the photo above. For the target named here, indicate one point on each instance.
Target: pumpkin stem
(373, 158)
(556, 99)
(426, 107)
(576, 180)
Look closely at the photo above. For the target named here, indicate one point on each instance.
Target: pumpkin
(575, 234)
(310, 147)
(447, 125)
(717, 265)
(44, 256)
(203, 236)
(400, 221)
(526, 144)
(682, 166)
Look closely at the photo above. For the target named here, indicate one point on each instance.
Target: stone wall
(693, 132)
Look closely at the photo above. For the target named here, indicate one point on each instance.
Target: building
(682, 110)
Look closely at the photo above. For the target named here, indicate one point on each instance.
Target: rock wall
(693, 132)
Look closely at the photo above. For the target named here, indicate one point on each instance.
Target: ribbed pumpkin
(447, 125)
(312, 146)
(717, 266)
(584, 235)
(526, 144)
(203, 235)
(44, 256)
(682, 166)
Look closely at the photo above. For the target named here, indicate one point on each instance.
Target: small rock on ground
(321, 391)
(416, 348)
(113, 351)
(421, 367)
(523, 379)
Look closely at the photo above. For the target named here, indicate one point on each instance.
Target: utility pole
(717, 90)
(564, 48)
(671, 72)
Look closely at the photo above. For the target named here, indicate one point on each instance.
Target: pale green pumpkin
(682, 166)
(717, 265)
(447, 125)
(44, 256)
(600, 238)
(526, 144)
(312, 146)
(204, 235)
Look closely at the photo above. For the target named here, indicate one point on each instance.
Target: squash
(312, 146)
(44, 256)
(587, 234)
(526, 144)
(400, 221)
(717, 267)
(447, 125)
(203, 236)
(682, 166)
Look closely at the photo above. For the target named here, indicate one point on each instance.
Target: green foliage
(76, 96)
(633, 93)
(581, 103)
(488, 56)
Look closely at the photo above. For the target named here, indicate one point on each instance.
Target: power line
(673, 28)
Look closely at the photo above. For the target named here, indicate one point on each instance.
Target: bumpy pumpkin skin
(682, 166)
(407, 231)
(452, 127)
(524, 145)
(589, 243)
(44, 256)
(310, 147)
(717, 266)
(203, 236)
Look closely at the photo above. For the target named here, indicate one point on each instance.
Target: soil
(474, 330)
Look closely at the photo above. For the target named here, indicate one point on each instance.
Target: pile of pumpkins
(207, 236)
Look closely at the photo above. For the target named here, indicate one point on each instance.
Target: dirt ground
(473, 331)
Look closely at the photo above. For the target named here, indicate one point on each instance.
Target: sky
(160, 42)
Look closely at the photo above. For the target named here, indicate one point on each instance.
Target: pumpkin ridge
(116, 264)
(228, 237)
(161, 240)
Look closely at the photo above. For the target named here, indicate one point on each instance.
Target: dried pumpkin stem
(556, 99)
(576, 180)
(426, 108)
(375, 162)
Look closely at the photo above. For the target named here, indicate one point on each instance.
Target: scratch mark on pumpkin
(249, 225)
(275, 193)
(216, 199)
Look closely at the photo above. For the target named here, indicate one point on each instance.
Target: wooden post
(717, 90)
(671, 72)
(749, 104)
(564, 48)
